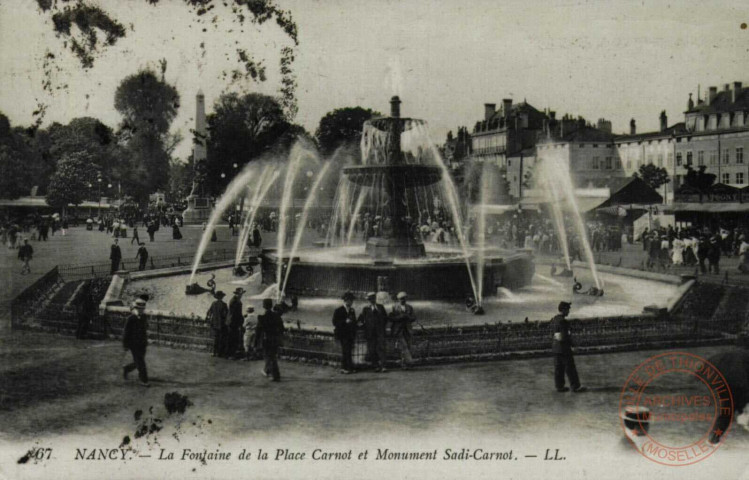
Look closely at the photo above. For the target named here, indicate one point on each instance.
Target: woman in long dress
(176, 234)
(677, 255)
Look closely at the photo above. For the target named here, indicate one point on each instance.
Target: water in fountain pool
(538, 301)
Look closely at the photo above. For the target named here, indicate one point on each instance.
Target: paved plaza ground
(56, 390)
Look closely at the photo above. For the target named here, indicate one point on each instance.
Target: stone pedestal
(198, 210)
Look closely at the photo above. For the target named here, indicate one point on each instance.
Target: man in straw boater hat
(135, 339)
(561, 347)
(216, 318)
(235, 321)
(269, 332)
(344, 321)
(402, 316)
(374, 317)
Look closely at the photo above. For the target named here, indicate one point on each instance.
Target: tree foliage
(21, 166)
(652, 175)
(70, 182)
(698, 178)
(148, 106)
(242, 128)
(342, 126)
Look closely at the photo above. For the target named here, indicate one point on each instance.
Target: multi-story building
(656, 148)
(717, 135)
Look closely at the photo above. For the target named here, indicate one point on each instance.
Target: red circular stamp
(675, 408)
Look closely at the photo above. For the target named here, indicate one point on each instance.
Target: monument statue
(198, 203)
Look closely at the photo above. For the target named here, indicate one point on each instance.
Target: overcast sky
(616, 60)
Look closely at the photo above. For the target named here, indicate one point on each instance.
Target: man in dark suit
(561, 347)
(115, 256)
(135, 339)
(236, 320)
(344, 321)
(374, 317)
(269, 332)
(216, 318)
(257, 240)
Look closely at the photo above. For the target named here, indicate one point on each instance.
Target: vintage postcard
(374, 239)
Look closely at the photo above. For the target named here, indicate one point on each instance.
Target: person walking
(216, 318)
(135, 339)
(374, 317)
(142, 256)
(713, 254)
(561, 347)
(135, 238)
(345, 327)
(235, 320)
(268, 333)
(25, 253)
(703, 247)
(151, 229)
(402, 316)
(115, 256)
(257, 240)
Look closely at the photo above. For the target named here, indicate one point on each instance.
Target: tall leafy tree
(148, 106)
(69, 183)
(21, 166)
(242, 128)
(652, 175)
(342, 126)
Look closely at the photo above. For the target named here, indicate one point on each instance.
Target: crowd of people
(701, 248)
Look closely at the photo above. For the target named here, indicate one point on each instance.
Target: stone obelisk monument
(198, 203)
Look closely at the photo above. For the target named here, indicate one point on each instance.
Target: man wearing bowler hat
(135, 339)
(344, 321)
(216, 318)
(402, 316)
(235, 321)
(561, 347)
(374, 317)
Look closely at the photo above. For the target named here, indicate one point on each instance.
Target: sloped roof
(630, 190)
(587, 134)
(675, 129)
(723, 102)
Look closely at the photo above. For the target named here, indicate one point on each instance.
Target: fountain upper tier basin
(405, 176)
(442, 273)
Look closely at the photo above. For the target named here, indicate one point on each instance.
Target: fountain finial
(395, 107)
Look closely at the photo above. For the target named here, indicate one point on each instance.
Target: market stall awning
(709, 207)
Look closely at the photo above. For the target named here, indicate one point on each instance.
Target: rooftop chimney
(489, 109)
(632, 127)
(711, 95)
(736, 91)
(506, 106)
(726, 87)
(553, 115)
(690, 103)
(395, 107)
(664, 121)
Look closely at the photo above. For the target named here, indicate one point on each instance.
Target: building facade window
(726, 156)
(700, 157)
(670, 159)
(740, 178)
(713, 157)
(739, 154)
(629, 164)
(689, 158)
(650, 159)
(678, 159)
(660, 159)
(726, 178)
(594, 165)
(609, 163)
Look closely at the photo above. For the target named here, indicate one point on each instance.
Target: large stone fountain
(395, 258)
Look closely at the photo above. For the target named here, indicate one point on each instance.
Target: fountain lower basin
(441, 274)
